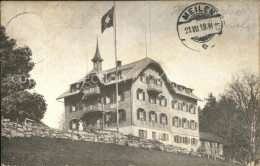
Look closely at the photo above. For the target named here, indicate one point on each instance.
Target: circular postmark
(198, 25)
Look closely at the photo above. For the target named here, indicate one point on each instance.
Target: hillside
(50, 151)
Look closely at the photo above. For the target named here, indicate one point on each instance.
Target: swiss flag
(107, 20)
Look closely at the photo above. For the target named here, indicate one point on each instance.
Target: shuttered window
(152, 117)
(142, 133)
(140, 94)
(141, 115)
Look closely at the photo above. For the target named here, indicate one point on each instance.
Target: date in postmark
(199, 25)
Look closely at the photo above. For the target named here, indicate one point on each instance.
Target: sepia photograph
(131, 83)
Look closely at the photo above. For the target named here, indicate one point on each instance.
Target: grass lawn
(48, 151)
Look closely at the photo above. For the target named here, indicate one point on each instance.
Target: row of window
(162, 101)
(176, 121)
(183, 106)
(143, 134)
(165, 137)
(185, 140)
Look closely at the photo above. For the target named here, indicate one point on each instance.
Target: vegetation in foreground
(49, 151)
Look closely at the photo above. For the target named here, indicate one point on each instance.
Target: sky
(63, 36)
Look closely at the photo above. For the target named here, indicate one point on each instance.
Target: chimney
(119, 63)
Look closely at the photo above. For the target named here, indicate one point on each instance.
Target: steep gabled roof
(128, 71)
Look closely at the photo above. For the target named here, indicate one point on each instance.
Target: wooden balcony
(94, 107)
(92, 91)
(154, 88)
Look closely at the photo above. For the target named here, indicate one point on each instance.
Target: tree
(245, 91)
(235, 117)
(17, 102)
(208, 113)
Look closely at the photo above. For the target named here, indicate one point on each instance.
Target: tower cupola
(97, 60)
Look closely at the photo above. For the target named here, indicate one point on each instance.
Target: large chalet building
(149, 104)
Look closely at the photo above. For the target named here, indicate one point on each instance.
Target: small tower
(97, 60)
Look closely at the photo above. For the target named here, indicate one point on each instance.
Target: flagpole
(114, 22)
(145, 41)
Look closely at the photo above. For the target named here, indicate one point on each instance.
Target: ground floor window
(74, 124)
(142, 133)
(154, 135)
(176, 138)
(194, 141)
(165, 137)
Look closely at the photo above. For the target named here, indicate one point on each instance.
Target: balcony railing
(92, 91)
(155, 88)
(94, 107)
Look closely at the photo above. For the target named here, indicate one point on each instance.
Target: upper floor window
(182, 106)
(150, 79)
(120, 96)
(73, 88)
(108, 117)
(193, 125)
(110, 98)
(179, 88)
(192, 109)
(111, 77)
(140, 94)
(122, 115)
(175, 104)
(152, 99)
(78, 86)
(152, 117)
(141, 115)
(184, 123)
(159, 81)
(187, 108)
(175, 121)
(142, 78)
(179, 105)
(163, 119)
(75, 106)
(158, 100)
(163, 101)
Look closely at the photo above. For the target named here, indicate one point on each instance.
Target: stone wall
(12, 129)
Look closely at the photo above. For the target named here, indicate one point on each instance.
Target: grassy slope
(48, 151)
